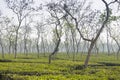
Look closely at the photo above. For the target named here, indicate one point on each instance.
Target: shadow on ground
(6, 60)
(109, 64)
(5, 77)
(100, 64)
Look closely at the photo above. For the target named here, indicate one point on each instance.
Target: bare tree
(40, 30)
(93, 41)
(67, 42)
(22, 8)
(108, 45)
(72, 30)
(1, 44)
(38, 26)
(26, 32)
(114, 34)
(43, 45)
(54, 12)
(2, 28)
(68, 7)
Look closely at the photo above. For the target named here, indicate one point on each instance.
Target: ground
(101, 67)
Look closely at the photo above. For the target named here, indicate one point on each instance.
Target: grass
(101, 67)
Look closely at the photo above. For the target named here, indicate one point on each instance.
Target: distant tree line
(69, 26)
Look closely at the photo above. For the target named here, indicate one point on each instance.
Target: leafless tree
(2, 28)
(22, 8)
(1, 44)
(114, 34)
(54, 12)
(69, 10)
(26, 32)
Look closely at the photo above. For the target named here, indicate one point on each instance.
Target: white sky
(97, 4)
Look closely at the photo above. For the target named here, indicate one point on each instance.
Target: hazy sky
(97, 4)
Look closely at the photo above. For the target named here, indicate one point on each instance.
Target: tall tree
(71, 9)
(40, 30)
(21, 8)
(54, 12)
(26, 32)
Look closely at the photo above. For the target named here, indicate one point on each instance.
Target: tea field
(101, 67)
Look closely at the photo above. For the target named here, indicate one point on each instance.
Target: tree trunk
(16, 40)
(93, 41)
(73, 44)
(55, 51)
(1, 44)
(118, 47)
(38, 51)
(108, 48)
(9, 51)
(96, 49)
(77, 45)
(103, 46)
(89, 53)
(43, 46)
(2, 51)
(66, 43)
(25, 47)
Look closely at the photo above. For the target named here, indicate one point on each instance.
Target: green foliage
(102, 67)
(111, 17)
(69, 25)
